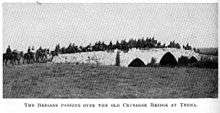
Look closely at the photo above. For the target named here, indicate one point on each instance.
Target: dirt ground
(90, 81)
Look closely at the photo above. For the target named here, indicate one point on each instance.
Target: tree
(131, 43)
(69, 48)
(158, 45)
(177, 46)
(187, 47)
(110, 45)
(124, 45)
(63, 50)
(117, 45)
(103, 46)
(40, 48)
(89, 47)
(57, 48)
(172, 44)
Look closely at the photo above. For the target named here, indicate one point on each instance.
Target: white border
(113, 1)
(17, 105)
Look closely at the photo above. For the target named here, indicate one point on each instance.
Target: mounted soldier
(17, 56)
(8, 50)
(8, 56)
(29, 56)
(42, 54)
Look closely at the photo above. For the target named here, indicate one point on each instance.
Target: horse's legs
(6, 60)
(23, 60)
(44, 58)
(3, 61)
(19, 61)
(11, 61)
(14, 61)
(34, 60)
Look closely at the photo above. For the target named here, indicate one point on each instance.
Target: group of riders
(18, 57)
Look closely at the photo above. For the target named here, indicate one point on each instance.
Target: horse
(52, 55)
(41, 55)
(17, 56)
(29, 57)
(8, 57)
(12, 57)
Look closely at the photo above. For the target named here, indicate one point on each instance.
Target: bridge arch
(137, 63)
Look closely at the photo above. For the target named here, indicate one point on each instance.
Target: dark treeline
(123, 45)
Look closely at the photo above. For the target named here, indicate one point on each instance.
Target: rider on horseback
(9, 56)
(8, 50)
(29, 56)
(29, 50)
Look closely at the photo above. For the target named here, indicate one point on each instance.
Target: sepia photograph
(110, 50)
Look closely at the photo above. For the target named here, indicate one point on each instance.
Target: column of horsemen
(18, 57)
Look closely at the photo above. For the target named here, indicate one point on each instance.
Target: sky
(32, 24)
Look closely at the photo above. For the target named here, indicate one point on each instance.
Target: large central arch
(168, 60)
(137, 63)
(193, 60)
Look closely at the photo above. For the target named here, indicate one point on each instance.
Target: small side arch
(193, 60)
(137, 63)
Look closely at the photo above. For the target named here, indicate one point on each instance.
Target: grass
(89, 81)
(209, 51)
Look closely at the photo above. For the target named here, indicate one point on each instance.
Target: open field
(209, 51)
(65, 80)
